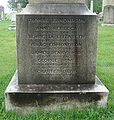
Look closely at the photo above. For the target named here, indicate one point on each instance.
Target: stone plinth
(25, 98)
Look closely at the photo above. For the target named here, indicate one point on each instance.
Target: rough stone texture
(57, 1)
(57, 9)
(108, 15)
(108, 2)
(1, 12)
(56, 49)
(25, 98)
(108, 12)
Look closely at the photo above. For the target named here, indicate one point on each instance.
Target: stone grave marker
(56, 57)
(13, 19)
(108, 12)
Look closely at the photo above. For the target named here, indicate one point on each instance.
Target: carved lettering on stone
(56, 45)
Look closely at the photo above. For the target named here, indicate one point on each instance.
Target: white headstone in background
(91, 7)
(13, 16)
(13, 19)
(1, 13)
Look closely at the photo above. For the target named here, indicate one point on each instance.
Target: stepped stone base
(26, 98)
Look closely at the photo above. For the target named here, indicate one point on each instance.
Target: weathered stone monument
(108, 12)
(56, 57)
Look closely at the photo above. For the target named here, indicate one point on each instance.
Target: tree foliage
(97, 6)
(13, 4)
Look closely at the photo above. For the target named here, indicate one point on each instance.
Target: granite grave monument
(56, 57)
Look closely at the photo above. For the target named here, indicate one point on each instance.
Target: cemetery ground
(105, 71)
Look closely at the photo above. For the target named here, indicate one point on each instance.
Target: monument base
(26, 98)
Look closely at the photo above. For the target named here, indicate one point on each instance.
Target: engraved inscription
(56, 45)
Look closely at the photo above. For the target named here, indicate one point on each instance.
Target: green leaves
(13, 4)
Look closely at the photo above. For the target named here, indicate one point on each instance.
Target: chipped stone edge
(100, 103)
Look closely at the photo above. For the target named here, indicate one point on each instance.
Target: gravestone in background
(108, 12)
(1, 13)
(56, 57)
(12, 26)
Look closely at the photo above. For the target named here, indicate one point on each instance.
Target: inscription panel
(57, 48)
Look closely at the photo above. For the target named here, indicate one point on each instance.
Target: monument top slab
(57, 1)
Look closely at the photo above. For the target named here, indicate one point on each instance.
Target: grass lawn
(105, 71)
